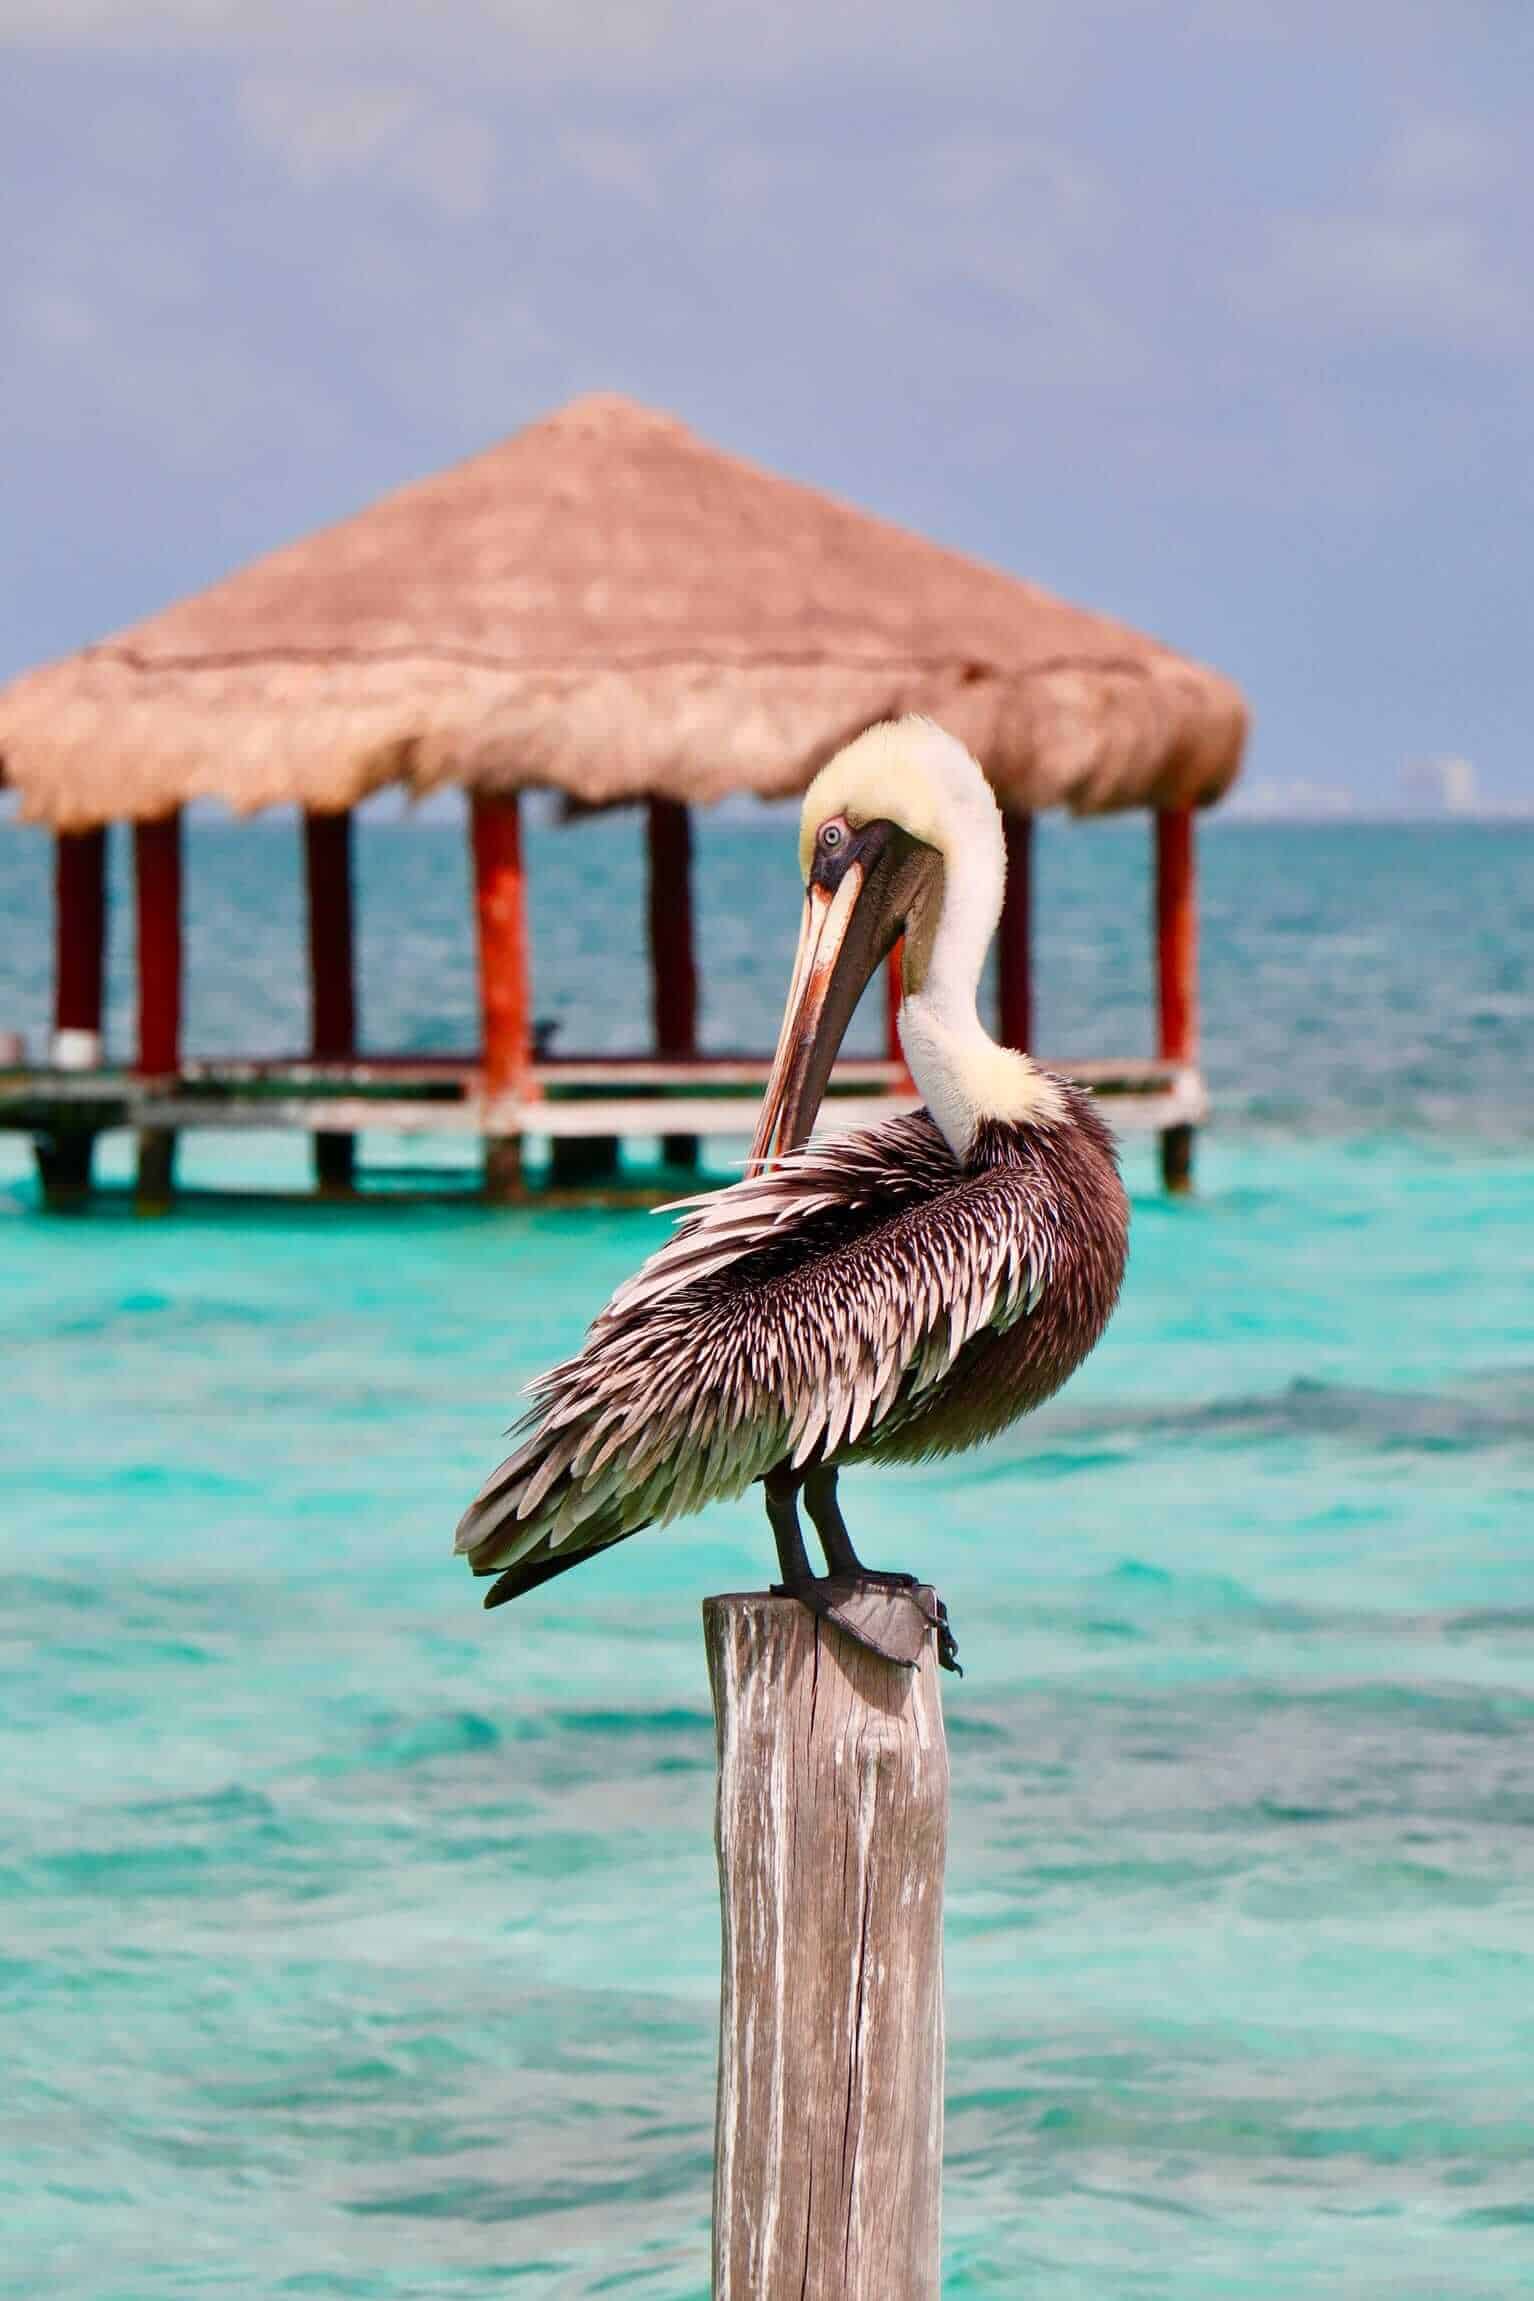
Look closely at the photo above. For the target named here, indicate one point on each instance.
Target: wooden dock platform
(582, 1106)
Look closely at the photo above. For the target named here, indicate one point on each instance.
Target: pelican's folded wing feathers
(803, 1308)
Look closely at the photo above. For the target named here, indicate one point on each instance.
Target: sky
(1218, 315)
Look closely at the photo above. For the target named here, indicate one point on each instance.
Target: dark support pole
(157, 904)
(79, 979)
(63, 1160)
(500, 910)
(1176, 973)
(1014, 948)
(332, 976)
(673, 969)
(79, 938)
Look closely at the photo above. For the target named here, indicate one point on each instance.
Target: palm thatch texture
(609, 606)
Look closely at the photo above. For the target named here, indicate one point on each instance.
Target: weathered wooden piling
(832, 1830)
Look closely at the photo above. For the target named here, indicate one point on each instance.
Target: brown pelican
(891, 1294)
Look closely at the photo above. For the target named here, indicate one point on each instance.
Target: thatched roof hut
(606, 605)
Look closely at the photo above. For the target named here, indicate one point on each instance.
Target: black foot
(879, 1612)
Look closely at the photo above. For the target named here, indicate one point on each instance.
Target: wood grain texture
(832, 1829)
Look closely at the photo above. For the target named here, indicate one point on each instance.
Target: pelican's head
(892, 827)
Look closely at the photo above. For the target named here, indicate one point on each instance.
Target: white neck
(962, 1074)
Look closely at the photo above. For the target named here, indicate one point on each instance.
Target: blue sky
(1218, 315)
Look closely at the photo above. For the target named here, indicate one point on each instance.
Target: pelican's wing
(785, 1319)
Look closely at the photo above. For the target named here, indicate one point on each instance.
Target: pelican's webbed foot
(891, 1623)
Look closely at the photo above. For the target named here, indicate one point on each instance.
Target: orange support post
(500, 908)
(673, 969)
(1176, 972)
(157, 905)
(332, 974)
(1014, 946)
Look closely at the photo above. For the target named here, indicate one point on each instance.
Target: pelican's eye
(832, 837)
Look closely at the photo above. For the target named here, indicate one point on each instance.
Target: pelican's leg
(782, 1491)
(876, 1611)
(826, 1518)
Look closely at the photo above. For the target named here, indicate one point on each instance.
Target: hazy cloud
(324, 134)
(1212, 314)
(1434, 249)
(602, 42)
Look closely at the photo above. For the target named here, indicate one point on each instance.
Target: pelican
(891, 1294)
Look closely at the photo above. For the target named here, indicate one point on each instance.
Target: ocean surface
(357, 1945)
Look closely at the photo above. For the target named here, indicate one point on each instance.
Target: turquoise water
(356, 1944)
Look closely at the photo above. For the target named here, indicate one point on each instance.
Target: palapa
(607, 606)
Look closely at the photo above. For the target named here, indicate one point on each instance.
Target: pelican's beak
(851, 923)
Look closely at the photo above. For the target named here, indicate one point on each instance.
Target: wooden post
(64, 1156)
(1014, 944)
(1176, 973)
(673, 969)
(832, 1829)
(332, 975)
(500, 908)
(157, 907)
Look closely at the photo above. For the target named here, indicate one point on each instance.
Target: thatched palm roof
(606, 605)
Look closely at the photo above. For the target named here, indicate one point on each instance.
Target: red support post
(1014, 946)
(1176, 936)
(64, 1154)
(332, 965)
(332, 974)
(674, 974)
(894, 993)
(157, 905)
(673, 969)
(157, 902)
(79, 931)
(500, 909)
(1176, 972)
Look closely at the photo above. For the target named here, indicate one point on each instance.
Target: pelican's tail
(545, 1509)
